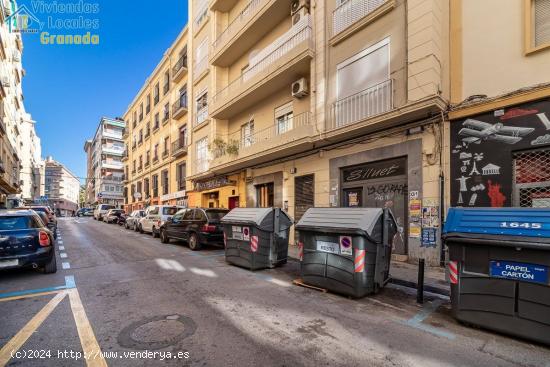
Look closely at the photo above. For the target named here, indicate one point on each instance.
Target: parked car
(25, 241)
(101, 210)
(155, 217)
(112, 215)
(85, 212)
(132, 221)
(199, 226)
(52, 224)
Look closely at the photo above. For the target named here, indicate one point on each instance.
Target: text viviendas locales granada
(69, 39)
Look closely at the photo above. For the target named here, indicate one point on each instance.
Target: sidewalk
(406, 274)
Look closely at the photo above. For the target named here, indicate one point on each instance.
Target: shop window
(265, 195)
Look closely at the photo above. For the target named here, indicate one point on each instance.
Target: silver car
(155, 217)
(132, 221)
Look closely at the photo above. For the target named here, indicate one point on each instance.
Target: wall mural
(482, 148)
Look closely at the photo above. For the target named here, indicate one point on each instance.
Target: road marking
(65, 265)
(88, 341)
(24, 334)
(63, 255)
(28, 295)
(61, 248)
(417, 320)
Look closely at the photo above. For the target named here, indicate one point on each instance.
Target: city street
(122, 292)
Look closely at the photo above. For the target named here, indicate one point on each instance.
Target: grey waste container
(498, 269)
(256, 238)
(346, 250)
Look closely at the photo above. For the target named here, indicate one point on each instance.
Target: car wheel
(194, 244)
(154, 233)
(136, 229)
(164, 236)
(51, 266)
(141, 229)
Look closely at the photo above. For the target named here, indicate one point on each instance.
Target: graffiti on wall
(482, 149)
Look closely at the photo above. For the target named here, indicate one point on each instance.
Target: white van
(156, 216)
(101, 210)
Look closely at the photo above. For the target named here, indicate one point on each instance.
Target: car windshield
(216, 214)
(170, 210)
(107, 207)
(14, 223)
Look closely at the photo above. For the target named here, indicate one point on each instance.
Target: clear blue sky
(69, 87)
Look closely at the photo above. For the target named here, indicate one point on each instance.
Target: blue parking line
(69, 283)
(417, 320)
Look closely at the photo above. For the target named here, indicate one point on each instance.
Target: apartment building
(62, 188)
(499, 138)
(156, 136)
(105, 152)
(32, 166)
(312, 103)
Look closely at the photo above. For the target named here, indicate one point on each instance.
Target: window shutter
(542, 22)
(304, 195)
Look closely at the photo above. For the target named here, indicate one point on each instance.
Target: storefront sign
(382, 169)
(213, 183)
(174, 195)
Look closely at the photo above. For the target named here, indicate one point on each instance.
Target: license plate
(333, 248)
(8, 263)
(519, 271)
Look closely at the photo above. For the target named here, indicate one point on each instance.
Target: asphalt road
(123, 292)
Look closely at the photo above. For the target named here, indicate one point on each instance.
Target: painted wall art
(483, 149)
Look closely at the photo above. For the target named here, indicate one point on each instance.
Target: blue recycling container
(499, 260)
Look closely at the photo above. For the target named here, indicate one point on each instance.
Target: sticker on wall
(415, 207)
(414, 230)
(475, 131)
(490, 169)
(345, 245)
(246, 234)
(541, 140)
(413, 195)
(429, 237)
(237, 233)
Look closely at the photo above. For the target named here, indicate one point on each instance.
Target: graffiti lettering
(386, 192)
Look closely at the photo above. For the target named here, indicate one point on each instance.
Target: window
(148, 129)
(132, 193)
(188, 215)
(135, 118)
(166, 112)
(156, 94)
(537, 23)
(182, 138)
(134, 166)
(202, 108)
(202, 154)
(166, 87)
(165, 182)
(265, 195)
(166, 147)
(146, 188)
(284, 118)
(157, 122)
(141, 112)
(201, 58)
(156, 152)
(140, 136)
(247, 134)
(155, 185)
(148, 104)
(138, 187)
(147, 157)
(181, 174)
(140, 162)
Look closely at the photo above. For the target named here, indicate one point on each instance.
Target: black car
(25, 241)
(199, 226)
(85, 212)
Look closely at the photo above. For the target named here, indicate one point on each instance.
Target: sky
(68, 88)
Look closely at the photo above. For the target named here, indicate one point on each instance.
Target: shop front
(218, 192)
(179, 198)
(501, 158)
(265, 191)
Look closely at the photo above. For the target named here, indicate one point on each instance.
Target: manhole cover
(156, 332)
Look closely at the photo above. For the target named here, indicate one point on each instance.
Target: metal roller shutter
(304, 190)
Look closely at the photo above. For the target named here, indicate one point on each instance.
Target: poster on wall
(483, 149)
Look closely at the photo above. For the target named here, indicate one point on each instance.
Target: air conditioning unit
(299, 88)
(298, 16)
(297, 5)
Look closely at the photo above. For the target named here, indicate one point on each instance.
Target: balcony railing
(351, 12)
(201, 116)
(201, 165)
(155, 159)
(237, 23)
(238, 144)
(180, 68)
(147, 134)
(165, 153)
(268, 56)
(179, 108)
(140, 168)
(147, 164)
(200, 67)
(370, 102)
(166, 117)
(179, 147)
(165, 88)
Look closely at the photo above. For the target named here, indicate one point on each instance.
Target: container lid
(505, 223)
(361, 221)
(260, 217)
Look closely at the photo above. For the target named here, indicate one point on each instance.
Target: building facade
(32, 166)
(62, 188)
(105, 170)
(499, 132)
(157, 135)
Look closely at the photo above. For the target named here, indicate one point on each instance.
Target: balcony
(112, 164)
(113, 150)
(274, 68)
(360, 106)
(140, 168)
(179, 147)
(125, 133)
(201, 66)
(351, 12)
(200, 166)
(125, 156)
(113, 134)
(248, 27)
(165, 154)
(180, 69)
(147, 164)
(278, 140)
(179, 108)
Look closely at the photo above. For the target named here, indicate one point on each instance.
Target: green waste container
(256, 238)
(346, 250)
